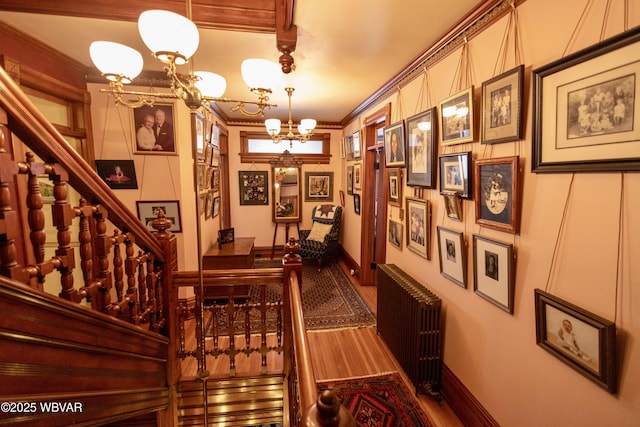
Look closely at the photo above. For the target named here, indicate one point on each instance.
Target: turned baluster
(142, 281)
(102, 248)
(86, 243)
(118, 271)
(35, 215)
(131, 268)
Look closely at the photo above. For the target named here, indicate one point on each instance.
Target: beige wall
(494, 353)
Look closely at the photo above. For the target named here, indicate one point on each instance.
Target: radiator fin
(409, 323)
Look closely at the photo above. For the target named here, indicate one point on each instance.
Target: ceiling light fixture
(305, 128)
(173, 39)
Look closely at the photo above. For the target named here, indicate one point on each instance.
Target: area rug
(329, 301)
(379, 401)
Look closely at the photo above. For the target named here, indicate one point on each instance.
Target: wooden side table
(237, 254)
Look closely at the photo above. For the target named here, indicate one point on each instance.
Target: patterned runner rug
(329, 300)
(381, 401)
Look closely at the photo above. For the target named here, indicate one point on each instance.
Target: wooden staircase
(240, 401)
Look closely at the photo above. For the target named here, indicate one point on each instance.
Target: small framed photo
(208, 207)
(418, 230)
(502, 107)
(149, 210)
(452, 205)
(585, 109)
(394, 145)
(214, 135)
(456, 118)
(349, 147)
(341, 198)
(455, 174)
(422, 149)
(356, 203)
(496, 193)
(357, 176)
(494, 271)
(254, 187)
(579, 338)
(200, 138)
(453, 256)
(118, 174)
(226, 235)
(216, 207)
(319, 186)
(349, 179)
(395, 233)
(215, 179)
(395, 186)
(154, 129)
(215, 157)
(357, 147)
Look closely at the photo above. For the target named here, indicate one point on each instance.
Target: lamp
(305, 128)
(173, 39)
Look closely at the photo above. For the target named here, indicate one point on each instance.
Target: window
(258, 147)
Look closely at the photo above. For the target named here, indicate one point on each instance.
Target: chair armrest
(303, 234)
(330, 237)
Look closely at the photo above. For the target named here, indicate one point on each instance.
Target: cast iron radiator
(409, 323)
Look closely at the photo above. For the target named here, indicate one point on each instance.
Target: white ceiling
(346, 50)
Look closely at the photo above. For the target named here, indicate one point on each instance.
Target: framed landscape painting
(422, 149)
(319, 186)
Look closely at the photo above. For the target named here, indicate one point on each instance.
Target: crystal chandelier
(305, 128)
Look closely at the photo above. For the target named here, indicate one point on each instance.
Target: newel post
(292, 261)
(328, 412)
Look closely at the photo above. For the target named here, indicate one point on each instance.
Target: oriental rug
(329, 301)
(380, 401)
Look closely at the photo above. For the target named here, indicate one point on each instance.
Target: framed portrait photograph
(356, 204)
(215, 179)
(452, 252)
(395, 233)
(394, 145)
(226, 235)
(149, 210)
(208, 207)
(496, 193)
(456, 118)
(494, 271)
(579, 338)
(214, 135)
(502, 107)
(341, 198)
(154, 129)
(584, 109)
(422, 149)
(349, 179)
(349, 147)
(319, 186)
(357, 147)
(118, 174)
(200, 135)
(418, 213)
(452, 205)
(215, 210)
(215, 157)
(254, 187)
(455, 174)
(357, 176)
(395, 186)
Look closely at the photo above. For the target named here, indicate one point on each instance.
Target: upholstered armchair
(321, 242)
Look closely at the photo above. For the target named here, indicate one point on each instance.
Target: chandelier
(305, 128)
(173, 39)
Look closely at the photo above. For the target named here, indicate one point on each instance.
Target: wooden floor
(342, 353)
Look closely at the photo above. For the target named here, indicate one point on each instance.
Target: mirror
(287, 192)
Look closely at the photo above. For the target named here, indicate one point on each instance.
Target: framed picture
(319, 186)
(452, 205)
(341, 198)
(453, 256)
(355, 139)
(394, 144)
(395, 186)
(422, 149)
(349, 147)
(395, 233)
(216, 207)
(455, 174)
(456, 118)
(154, 129)
(215, 157)
(357, 176)
(349, 179)
(208, 207)
(149, 210)
(494, 271)
(254, 187)
(200, 143)
(343, 148)
(214, 135)
(118, 174)
(208, 154)
(226, 235)
(582, 340)
(215, 179)
(418, 231)
(584, 109)
(496, 193)
(356, 203)
(502, 107)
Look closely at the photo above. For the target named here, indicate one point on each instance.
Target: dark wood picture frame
(226, 235)
(418, 222)
(452, 205)
(395, 145)
(254, 187)
(575, 128)
(581, 339)
(395, 233)
(456, 174)
(452, 252)
(394, 178)
(356, 204)
(494, 272)
(457, 123)
(148, 211)
(422, 148)
(502, 107)
(318, 186)
(497, 194)
(165, 143)
(349, 180)
(356, 139)
(118, 174)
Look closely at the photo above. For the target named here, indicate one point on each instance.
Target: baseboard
(351, 263)
(463, 403)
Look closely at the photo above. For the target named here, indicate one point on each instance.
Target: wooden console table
(237, 254)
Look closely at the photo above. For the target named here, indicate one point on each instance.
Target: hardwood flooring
(340, 353)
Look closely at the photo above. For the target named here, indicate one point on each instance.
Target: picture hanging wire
(399, 116)
(425, 89)
(512, 33)
(462, 78)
